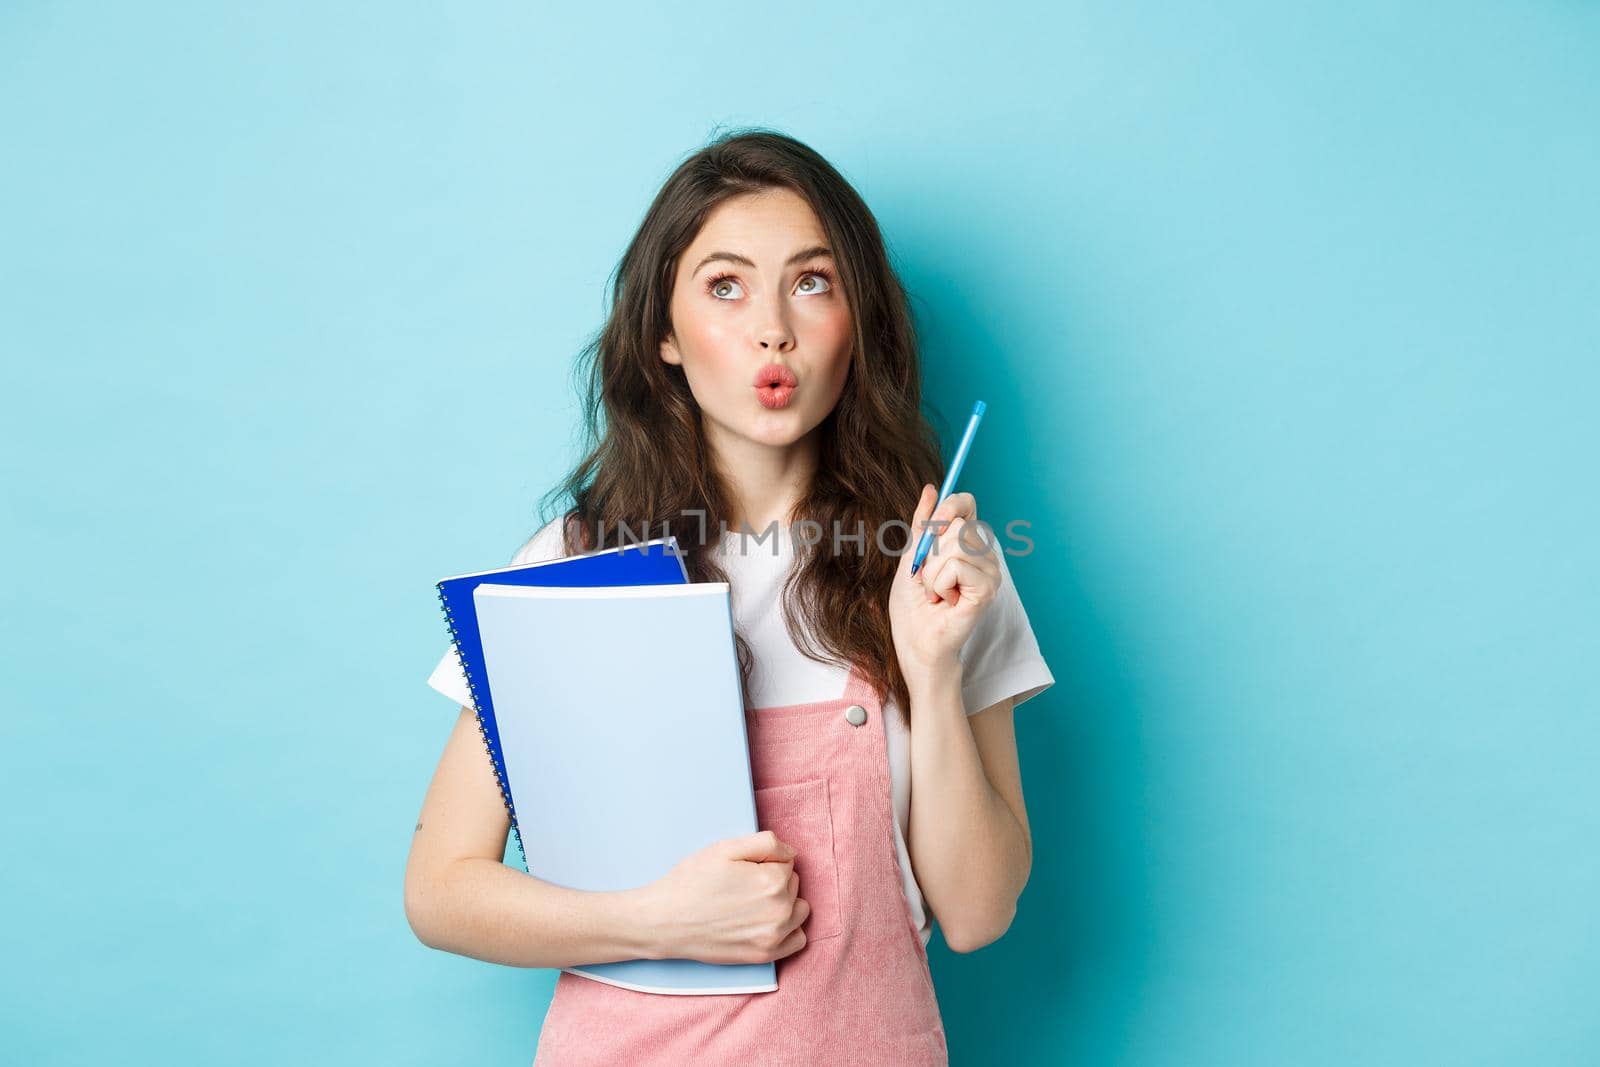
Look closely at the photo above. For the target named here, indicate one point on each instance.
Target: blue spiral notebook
(655, 562)
(547, 647)
(622, 724)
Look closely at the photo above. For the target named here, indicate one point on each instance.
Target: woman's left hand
(933, 612)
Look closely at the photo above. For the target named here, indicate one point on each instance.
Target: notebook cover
(622, 724)
(656, 562)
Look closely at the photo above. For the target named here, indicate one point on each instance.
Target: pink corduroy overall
(859, 991)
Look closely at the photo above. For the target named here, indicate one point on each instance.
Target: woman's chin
(779, 429)
(771, 428)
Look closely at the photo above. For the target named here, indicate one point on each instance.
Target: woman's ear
(669, 351)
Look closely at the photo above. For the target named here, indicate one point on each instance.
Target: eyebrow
(734, 257)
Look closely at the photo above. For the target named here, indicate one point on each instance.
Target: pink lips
(774, 385)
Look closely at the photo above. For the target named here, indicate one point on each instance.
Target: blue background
(1286, 316)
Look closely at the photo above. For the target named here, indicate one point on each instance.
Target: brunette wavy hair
(647, 471)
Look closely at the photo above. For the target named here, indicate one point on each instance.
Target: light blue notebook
(622, 728)
(655, 562)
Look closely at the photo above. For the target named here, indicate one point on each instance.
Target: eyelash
(716, 280)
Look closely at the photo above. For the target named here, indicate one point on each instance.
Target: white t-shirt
(1000, 659)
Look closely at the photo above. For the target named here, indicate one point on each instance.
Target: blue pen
(949, 482)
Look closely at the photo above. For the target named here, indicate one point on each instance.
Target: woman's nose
(775, 337)
(772, 329)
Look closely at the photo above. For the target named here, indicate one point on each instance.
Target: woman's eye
(727, 288)
(815, 279)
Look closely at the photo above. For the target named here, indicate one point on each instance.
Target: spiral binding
(483, 730)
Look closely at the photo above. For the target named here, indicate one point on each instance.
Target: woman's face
(757, 288)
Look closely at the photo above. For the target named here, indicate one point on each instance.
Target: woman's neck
(765, 483)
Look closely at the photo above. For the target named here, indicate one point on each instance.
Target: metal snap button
(855, 714)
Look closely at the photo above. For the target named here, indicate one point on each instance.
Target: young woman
(760, 386)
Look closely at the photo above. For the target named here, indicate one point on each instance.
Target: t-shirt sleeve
(1001, 658)
(448, 677)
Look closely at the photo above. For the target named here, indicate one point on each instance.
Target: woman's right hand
(734, 901)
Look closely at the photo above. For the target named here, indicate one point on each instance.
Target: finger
(970, 541)
(960, 539)
(957, 505)
(927, 501)
(925, 505)
(950, 542)
(960, 580)
(801, 912)
(759, 846)
(792, 944)
(929, 575)
(780, 876)
(976, 539)
(947, 515)
(947, 581)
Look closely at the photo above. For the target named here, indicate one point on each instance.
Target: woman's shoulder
(545, 544)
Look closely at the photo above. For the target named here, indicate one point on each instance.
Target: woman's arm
(461, 897)
(971, 849)
(970, 846)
